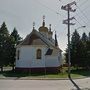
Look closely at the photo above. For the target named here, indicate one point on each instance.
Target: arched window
(38, 54)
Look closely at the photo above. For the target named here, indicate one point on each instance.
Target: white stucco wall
(51, 61)
(28, 59)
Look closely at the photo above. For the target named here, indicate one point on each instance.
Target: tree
(7, 46)
(85, 50)
(15, 39)
(88, 51)
(16, 36)
(75, 39)
(74, 47)
(4, 35)
(84, 37)
(3, 29)
(80, 50)
(89, 36)
(12, 50)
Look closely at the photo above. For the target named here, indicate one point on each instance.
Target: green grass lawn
(74, 74)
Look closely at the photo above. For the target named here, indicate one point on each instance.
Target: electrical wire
(81, 24)
(83, 13)
(81, 19)
(60, 14)
(78, 22)
(82, 4)
(56, 12)
(47, 7)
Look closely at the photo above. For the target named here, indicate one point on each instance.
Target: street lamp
(80, 27)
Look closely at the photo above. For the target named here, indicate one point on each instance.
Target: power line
(80, 19)
(83, 3)
(83, 13)
(47, 7)
(81, 24)
(56, 12)
(78, 1)
(83, 18)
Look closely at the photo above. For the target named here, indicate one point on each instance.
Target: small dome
(50, 32)
(43, 29)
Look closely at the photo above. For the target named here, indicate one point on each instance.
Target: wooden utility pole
(69, 9)
(69, 56)
(67, 21)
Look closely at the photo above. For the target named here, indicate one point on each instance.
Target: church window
(38, 54)
(18, 54)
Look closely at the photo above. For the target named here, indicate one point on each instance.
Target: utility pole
(69, 56)
(69, 9)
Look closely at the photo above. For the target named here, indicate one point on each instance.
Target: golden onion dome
(50, 32)
(43, 28)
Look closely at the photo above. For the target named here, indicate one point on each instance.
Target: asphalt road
(43, 84)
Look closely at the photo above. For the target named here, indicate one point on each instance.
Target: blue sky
(22, 13)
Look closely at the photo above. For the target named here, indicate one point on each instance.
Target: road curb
(33, 78)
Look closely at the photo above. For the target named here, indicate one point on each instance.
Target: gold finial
(43, 20)
(50, 27)
(33, 25)
(43, 17)
(56, 42)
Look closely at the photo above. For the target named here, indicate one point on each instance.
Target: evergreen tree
(16, 36)
(3, 29)
(4, 35)
(15, 39)
(89, 36)
(80, 50)
(82, 54)
(75, 42)
(75, 38)
(88, 54)
(7, 46)
(12, 50)
(84, 51)
(88, 51)
(84, 37)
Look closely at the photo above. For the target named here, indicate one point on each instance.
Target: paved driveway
(43, 84)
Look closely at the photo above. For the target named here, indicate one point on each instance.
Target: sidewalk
(36, 78)
(84, 84)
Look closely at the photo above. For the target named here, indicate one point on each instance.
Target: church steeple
(56, 42)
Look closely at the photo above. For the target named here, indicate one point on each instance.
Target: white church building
(39, 52)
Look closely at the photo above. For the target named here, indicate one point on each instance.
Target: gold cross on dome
(33, 25)
(50, 27)
(43, 17)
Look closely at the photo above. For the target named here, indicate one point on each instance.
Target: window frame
(38, 54)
